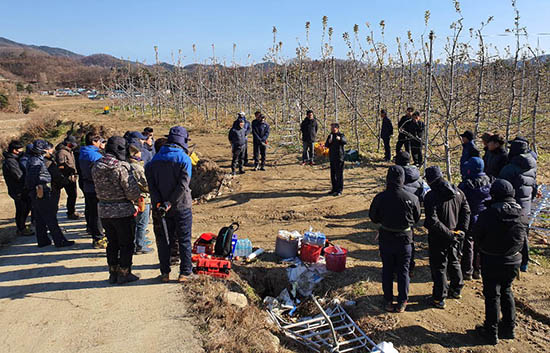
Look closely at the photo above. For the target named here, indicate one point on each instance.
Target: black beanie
(433, 174)
(116, 146)
(402, 158)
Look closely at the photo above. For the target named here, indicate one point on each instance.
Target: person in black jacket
(260, 134)
(500, 231)
(247, 131)
(15, 182)
(415, 128)
(335, 143)
(386, 133)
(496, 157)
(397, 211)
(447, 219)
(308, 128)
(402, 138)
(58, 179)
(237, 138)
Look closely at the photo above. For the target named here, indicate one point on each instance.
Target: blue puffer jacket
(88, 156)
(413, 182)
(25, 158)
(37, 174)
(469, 150)
(237, 136)
(476, 185)
(521, 172)
(168, 175)
(260, 131)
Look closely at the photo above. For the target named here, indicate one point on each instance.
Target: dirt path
(59, 301)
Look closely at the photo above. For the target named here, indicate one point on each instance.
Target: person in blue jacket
(168, 176)
(260, 133)
(469, 150)
(237, 138)
(38, 181)
(90, 154)
(476, 185)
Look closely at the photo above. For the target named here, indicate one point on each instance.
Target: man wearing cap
(38, 181)
(237, 138)
(88, 155)
(397, 211)
(15, 182)
(117, 191)
(66, 163)
(260, 134)
(308, 128)
(501, 232)
(469, 150)
(168, 175)
(137, 138)
(447, 219)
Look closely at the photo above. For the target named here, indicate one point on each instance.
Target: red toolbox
(214, 267)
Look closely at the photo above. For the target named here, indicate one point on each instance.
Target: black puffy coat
(495, 161)
(13, 175)
(237, 135)
(387, 128)
(446, 210)
(309, 129)
(37, 174)
(395, 209)
(413, 182)
(336, 147)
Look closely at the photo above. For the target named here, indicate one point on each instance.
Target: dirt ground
(53, 300)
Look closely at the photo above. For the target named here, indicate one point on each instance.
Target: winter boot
(113, 274)
(125, 275)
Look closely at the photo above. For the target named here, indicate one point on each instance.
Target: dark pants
(441, 260)
(469, 261)
(22, 210)
(70, 189)
(238, 157)
(55, 196)
(245, 153)
(259, 154)
(45, 218)
(412, 264)
(402, 142)
(337, 175)
(120, 235)
(416, 154)
(308, 151)
(396, 257)
(497, 289)
(525, 251)
(179, 224)
(93, 223)
(387, 148)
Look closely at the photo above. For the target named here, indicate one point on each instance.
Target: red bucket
(336, 262)
(310, 253)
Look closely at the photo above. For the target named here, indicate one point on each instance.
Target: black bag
(223, 241)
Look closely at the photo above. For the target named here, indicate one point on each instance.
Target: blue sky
(130, 29)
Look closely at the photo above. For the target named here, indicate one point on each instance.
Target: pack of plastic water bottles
(243, 248)
(314, 238)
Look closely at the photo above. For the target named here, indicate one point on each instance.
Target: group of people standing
(476, 230)
(123, 179)
(411, 135)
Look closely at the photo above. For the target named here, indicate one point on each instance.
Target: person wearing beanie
(308, 129)
(65, 160)
(521, 172)
(496, 156)
(476, 186)
(117, 192)
(500, 232)
(144, 202)
(447, 220)
(38, 181)
(397, 211)
(413, 184)
(168, 176)
(260, 133)
(335, 143)
(469, 149)
(237, 138)
(386, 133)
(15, 182)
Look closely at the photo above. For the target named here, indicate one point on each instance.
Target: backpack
(223, 241)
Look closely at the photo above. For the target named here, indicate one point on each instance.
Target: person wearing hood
(469, 150)
(137, 138)
(168, 176)
(447, 220)
(476, 186)
(496, 156)
(117, 191)
(414, 185)
(397, 211)
(66, 163)
(500, 232)
(521, 172)
(308, 129)
(144, 202)
(335, 143)
(15, 182)
(23, 160)
(247, 130)
(260, 133)
(39, 181)
(237, 138)
(386, 133)
(88, 155)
